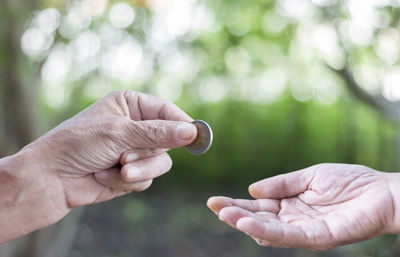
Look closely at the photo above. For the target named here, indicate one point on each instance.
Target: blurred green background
(284, 84)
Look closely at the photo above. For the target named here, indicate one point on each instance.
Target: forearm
(394, 186)
(27, 197)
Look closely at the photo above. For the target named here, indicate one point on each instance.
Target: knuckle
(136, 177)
(114, 94)
(165, 107)
(156, 132)
(124, 173)
(123, 158)
(130, 95)
(255, 205)
(132, 155)
(114, 132)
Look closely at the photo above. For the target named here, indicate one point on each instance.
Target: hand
(127, 128)
(318, 208)
(116, 146)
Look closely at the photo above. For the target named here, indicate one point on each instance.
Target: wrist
(394, 187)
(30, 197)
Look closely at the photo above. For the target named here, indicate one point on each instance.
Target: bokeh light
(121, 15)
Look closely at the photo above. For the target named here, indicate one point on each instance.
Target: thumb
(282, 186)
(161, 134)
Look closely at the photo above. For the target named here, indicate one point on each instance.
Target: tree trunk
(18, 101)
(18, 105)
(20, 126)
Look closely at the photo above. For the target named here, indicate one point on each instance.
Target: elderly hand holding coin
(115, 146)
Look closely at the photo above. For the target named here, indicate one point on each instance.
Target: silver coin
(204, 138)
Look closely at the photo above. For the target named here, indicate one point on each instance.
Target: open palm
(319, 208)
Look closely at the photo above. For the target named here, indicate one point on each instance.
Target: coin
(204, 138)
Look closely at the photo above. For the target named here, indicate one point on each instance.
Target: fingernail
(252, 189)
(132, 173)
(131, 157)
(186, 131)
(211, 206)
(213, 210)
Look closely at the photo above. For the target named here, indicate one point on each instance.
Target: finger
(282, 186)
(216, 203)
(113, 179)
(140, 153)
(159, 134)
(286, 234)
(153, 108)
(232, 214)
(261, 205)
(146, 169)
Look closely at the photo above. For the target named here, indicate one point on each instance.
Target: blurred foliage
(257, 141)
(256, 71)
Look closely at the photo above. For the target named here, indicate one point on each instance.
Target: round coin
(204, 138)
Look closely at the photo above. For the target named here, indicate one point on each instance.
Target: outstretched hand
(318, 208)
(115, 146)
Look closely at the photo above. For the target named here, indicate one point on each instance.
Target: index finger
(155, 108)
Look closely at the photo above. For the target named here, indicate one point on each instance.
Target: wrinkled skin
(318, 208)
(116, 146)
